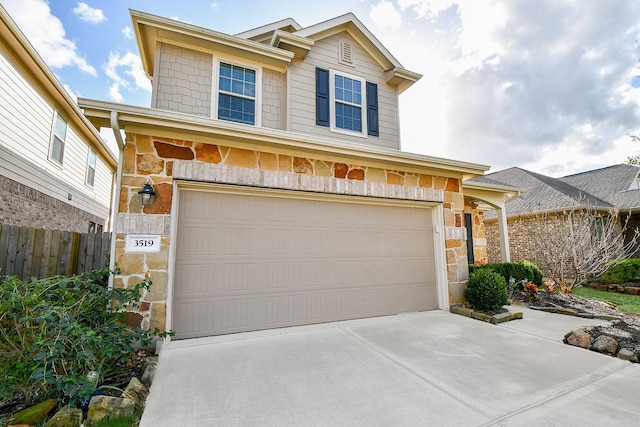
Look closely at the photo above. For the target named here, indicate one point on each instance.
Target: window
(59, 138)
(91, 168)
(346, 103)
(237, 94)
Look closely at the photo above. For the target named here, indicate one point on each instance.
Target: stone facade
(22, 205)
(480, 255)
(160, 160)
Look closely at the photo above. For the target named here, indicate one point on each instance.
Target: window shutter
(322, 97)
(372, 109)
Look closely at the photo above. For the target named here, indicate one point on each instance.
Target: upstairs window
(59, 139)
(91, 168)
(237, 94)
(346, 103)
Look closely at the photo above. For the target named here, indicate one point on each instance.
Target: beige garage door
(246, 262)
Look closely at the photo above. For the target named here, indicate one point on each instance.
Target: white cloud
(385, 15)
(46, 33)
(123, 70)
(88, 14)
(127, 32)
(215, 5)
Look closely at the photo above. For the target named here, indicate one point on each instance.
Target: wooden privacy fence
(35, 252)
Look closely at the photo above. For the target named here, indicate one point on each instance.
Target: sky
(552, 86)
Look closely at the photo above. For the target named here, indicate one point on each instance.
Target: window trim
(57, 116)
(216, 91)
(89, 168)
(332, 104)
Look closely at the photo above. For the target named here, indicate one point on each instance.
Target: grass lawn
(625, 303)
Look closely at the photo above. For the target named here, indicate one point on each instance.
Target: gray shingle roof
(614, 186)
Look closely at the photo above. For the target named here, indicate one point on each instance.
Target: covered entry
(249, 259)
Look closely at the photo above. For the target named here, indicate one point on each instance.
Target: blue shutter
(372, 109)
(322, 97)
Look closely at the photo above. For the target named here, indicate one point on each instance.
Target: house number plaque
(142, 243)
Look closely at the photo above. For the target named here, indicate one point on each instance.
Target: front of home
(282, 196)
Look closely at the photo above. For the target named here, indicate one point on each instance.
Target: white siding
(325, 54)
(25, 135)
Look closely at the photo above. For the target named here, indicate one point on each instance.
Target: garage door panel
(270, 261)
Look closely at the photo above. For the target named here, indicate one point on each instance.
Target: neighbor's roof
(614, 186)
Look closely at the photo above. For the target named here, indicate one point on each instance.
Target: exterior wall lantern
(147, 194)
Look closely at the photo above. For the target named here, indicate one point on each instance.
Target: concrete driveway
(419, 369)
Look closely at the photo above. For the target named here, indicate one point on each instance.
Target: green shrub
(486, 290)
(623, 271)
(519, 270)
(55, 331)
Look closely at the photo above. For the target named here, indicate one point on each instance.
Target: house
(56, 172)
(605, 189)
(281, 195)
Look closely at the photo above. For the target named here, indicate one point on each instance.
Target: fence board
(30, 252)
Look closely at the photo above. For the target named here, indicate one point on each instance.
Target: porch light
(147, 194)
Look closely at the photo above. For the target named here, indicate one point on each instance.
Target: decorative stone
(162, 202)
(606, 345)
(439, 183)
(143, 144)
(170, 151)
(158, 289)
(207, 153)
(268, 161)
(158, 316)
(129, 159)
(453, 185)
(285, 163)
(632, 290)
(149, 370)
(482, 316)
(463, 311)
(130, 263)
(133, 319)
(302, 166)
(241, 158)
(136, 391)
(395, 179)
(34, 414)
(66, 417)
(340, 170)
(101, 407)
(425, 181)
(578, 338)
(376, 175)
(626, 354)
(516, 315)
(321, 168)
(566, 311)
(158, 260)
(357, 174)
(148, 164)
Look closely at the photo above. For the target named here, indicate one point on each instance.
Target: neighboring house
(611, 188)
(56, 172)
(282, 196)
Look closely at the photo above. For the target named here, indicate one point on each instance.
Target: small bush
(55, 331)
(486, 290)
(623, 271)
(520, 271)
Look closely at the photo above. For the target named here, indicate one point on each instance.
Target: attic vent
(346, 53)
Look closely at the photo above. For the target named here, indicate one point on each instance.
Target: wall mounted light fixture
(147, 194)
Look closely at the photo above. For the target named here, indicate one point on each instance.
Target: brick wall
(154, 158)
(24, 206)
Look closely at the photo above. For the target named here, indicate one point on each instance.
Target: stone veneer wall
(22, 205)
(479, 233)
(154, 158)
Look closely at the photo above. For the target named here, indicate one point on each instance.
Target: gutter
(115, 127)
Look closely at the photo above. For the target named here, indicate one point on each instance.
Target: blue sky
(552, 86)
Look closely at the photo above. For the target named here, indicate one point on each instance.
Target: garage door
(250, 261)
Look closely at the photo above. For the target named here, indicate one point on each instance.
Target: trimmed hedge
(486, 290)
(519, 270)
(623, 271)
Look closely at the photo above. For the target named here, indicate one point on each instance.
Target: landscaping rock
(482, 316)
(501, 318)
(626, 354)
(458, 309)
(149, 370)
(136, 391)
(578, 338)
(516, 315)
(66, 417)
(106, 406)
(34, 414)
(606, 345)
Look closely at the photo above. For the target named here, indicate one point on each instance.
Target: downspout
(115, 127)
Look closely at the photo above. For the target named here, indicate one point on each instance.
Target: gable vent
(346, 53)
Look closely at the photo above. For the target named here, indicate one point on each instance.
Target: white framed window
(58, 139)
(91, 168)
(237, 89)
(348, 108)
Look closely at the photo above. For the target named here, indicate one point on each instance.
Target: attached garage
(252, 259)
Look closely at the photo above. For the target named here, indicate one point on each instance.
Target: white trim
(95, 168)
(171, 262)
(439, 251)
(215, 90)
(332, 104)
(56, 115)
